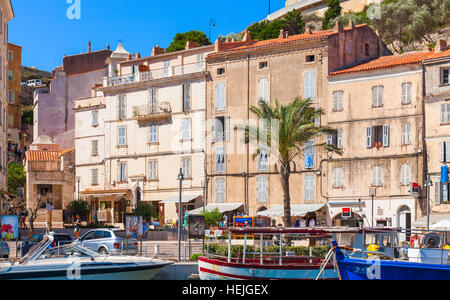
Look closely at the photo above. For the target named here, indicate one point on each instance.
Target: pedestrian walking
(77, 226)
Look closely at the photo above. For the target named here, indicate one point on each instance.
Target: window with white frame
(221, 129)
(405, 175)
(338, 178)
(406, 93)
(201, 61)
(94, 148)
(377, 96)
(186, 129)
(153, 135)
(377, 176)
(309, 187)
(94, 176)
(166, 71)
(336, 139)
(263, 160)
(153, 100)
(441, 191)
(220, 159)
(153, 170)
(263, 90)
(122, 172)
(338, 104)
(186, 167)
(309, 154)
(445, 152)
(445, 113)
(377, 136)
(122, 136)
(220, 97)
(262, 187)
(406, 134)
(95, 118)
(186, 97)
(11, 96)
(310, 85)
(445, 76)
(121, 108)
(220, 190)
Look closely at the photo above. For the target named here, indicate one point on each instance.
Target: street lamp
(212, 23)
(373, 193)
(428, 184)
(180, 178)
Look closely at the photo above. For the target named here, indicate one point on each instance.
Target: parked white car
(34, 82)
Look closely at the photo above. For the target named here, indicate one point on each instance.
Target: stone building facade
(280, 69)
(15, 135)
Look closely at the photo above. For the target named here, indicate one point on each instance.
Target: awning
(184, 199)
(422, 222)
(223, 207)
(347, 203)
(297, 210)
(104, 193)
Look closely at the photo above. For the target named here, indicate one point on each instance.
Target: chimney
(351, 25)
(138, 55)
(108, 47)
(338, 27)
(191, 45)
(158, 51)
(441, 45)
(247, 36)
(89, 47)
(282, 34)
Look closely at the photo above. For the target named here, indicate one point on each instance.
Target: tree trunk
(285, 173)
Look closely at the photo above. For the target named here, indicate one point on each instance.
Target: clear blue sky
(46, 34)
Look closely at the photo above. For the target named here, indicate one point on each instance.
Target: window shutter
(339, 139)
(369, 137)
(220, 96)
(447, 152)
(444, 188)
(437, 193)
(385, 135)
(443, 152)
(227, 129)
(186, 97)
(313, 85)
(213, 130)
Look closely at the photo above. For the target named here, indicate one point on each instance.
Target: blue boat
(376, 269)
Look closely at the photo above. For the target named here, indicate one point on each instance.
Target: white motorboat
(74, 262)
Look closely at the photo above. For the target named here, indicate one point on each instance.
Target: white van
(34, 82)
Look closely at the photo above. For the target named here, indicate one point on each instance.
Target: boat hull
(217, 269)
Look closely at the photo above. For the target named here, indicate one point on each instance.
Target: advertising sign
(196, 226)
(10, 228)
(262, 222)
(134, 226)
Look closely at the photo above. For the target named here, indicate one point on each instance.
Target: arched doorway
(138, 195)
(404, 221)
(120, 207)
(354, 221)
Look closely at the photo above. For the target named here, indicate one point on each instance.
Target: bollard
(156, 250)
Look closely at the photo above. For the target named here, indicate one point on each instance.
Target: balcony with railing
(155, 74)
(152, 112)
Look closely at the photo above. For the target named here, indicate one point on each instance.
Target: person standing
(77, 227)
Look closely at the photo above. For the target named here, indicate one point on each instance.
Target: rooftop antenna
(212, 23)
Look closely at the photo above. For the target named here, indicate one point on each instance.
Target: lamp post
(180, 212)
(212, 23)
(428, 184)
(373, 193)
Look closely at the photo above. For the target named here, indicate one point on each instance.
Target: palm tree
(297, 125)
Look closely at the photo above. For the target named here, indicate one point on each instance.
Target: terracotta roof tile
(45, 155)
(386, 62)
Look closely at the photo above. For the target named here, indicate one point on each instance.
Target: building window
(121, 109)
(406, 93)
(186, 97)
(378, 136)
(338, 178)
(442, 192)
(221, 129)
(94, 148)
(263, 90)
(377, 176)
(10, 120)
(11, 97)
(153, 138)
(220, 71)
(220, 160)
(220, 97)
(263, 160)
(10, 56)
(263, 65)
(122, 172)
(310, 85)
(445, 152)
(310, 153)
(262, 188)
(186, 167)
(445, 76)
(366, 49)
(220, 190)
(310, 58)
(186, 129)
(153, 170)
(309, 187)
(406, 134)
(201, 61)
(95, 118)
(377, 96)
(338, 101)
(405, 175)
(122, 136)
(10, 74)
(166, 68)
(94, 176)
(335, 139)
(445, 113)
(153, 100)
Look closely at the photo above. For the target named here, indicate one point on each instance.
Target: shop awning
(104, 193)
(184, 199)
(297, 210)
(422, 222)
(347, 203)
(223, 208)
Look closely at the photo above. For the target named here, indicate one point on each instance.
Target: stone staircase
(57, 219)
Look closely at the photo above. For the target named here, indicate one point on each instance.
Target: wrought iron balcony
(152, 112)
